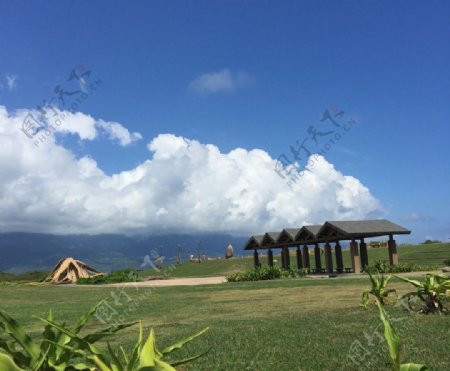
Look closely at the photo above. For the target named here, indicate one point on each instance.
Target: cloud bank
(184, 186)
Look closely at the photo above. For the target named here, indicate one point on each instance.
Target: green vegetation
(265, 325)
(62, 348)
(124, 275)
(55, 350)
(394, 344)
(34, 276)
(433, 290)
(378, 290)
(429, 242)
(266, 273)
(384, 267)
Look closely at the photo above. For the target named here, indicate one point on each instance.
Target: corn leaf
(7, 364)
(84, 318)
(11, 327)
(412, 282)
(92, 338)
(179, 344)
(413, 367)
(186, 360)
(391, 336)
(147, 355)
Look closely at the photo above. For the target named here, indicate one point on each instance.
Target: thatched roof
(68, 270)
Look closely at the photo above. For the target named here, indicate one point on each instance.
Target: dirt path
(194, 281)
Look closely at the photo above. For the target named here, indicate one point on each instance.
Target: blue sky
(248, 74)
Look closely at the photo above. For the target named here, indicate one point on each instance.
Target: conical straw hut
(68, 270)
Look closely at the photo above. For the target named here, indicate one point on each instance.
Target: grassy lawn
(420, 254)
(293, 324)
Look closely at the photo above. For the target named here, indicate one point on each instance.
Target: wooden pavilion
(331, 232)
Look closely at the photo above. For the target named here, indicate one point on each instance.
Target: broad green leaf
(135, 354)
(9, 347)
(147, 355)
(7, 364)
(12, 328)
(391, 336)
(179, 344)
(412, 367)
(161, 366)
(412, 282)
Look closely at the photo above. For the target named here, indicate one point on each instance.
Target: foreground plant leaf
(7, 364)
(391, 336)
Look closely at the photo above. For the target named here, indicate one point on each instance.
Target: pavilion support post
(306, 256)
(287, 258)
(328, 258)
(363, 253)
(339, 259)
(270, 257)
(299, 258)
(283, 260)
(354, 252)
(317, 256)
(392, 247)
(256, 258)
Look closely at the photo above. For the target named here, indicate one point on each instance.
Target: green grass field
(292, 324)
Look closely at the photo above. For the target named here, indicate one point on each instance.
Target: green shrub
(447, 262)
(266, 273)
(382, 267)
(125, 275)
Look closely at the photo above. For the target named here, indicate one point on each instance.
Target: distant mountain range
(20, 252)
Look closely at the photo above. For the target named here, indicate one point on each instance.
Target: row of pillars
(359, 257)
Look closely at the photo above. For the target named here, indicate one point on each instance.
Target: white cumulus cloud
(84, 126)
(183, 186)
(220, 81)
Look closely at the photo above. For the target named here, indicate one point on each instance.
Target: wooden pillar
(354, 252)
(328, 258)
(306, 256)
(363, 253)
(287, 258)
(317, 256)
(283, 260)
(392, 247)
(339, 259)
(270, 257)
(299, 258)
(256, 259)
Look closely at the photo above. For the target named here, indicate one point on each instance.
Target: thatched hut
(68, 270)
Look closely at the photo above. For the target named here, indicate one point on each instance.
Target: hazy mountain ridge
(21, 252)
